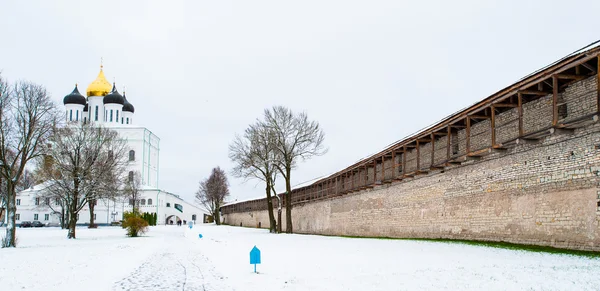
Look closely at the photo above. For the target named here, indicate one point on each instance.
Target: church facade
(104, 106)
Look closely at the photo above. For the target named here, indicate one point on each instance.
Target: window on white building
(77, 115)
(47, 201)
(47, 216)
(117, 119)
(143, 202)
(37, 201)
(71, 115)
(131, 176)
(168, 204)
(35, 216)
(77, 216)
(111, 111)
(131, 155)
(94, 216)
(127, 120)
(149, 201)
(57, 201)
(96, 115)
(18, 202)
(18, 216)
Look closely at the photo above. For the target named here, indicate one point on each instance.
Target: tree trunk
(272, 223)
(216, 217)
(91, 206)
(288, 202)
(72, 225)
(63, 218)
(11, 210)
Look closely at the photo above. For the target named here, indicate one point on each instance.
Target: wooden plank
(468, 134)
(520, 112)
(458, 126)
(441, 133)
(554, 100)
(493, 125)
(598, 87)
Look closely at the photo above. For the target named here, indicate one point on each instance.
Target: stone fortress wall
(542, 191)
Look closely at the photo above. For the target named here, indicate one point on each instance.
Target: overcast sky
(370, 72)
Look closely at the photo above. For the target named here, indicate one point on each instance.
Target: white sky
(371, 72)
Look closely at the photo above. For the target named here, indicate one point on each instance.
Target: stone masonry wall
(544, 194)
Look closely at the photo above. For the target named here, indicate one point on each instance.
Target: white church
(105, 106)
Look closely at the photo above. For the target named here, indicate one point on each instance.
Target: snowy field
(175, 258)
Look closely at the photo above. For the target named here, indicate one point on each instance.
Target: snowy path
(177, 265)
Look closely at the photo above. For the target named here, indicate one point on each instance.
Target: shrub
(135, 225)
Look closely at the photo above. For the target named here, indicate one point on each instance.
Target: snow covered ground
(175, 258)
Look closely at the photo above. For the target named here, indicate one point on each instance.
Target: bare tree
(85, 161)
(27, 115)
(213, 191)
(296, 139)
(133, 183)
(254, 156)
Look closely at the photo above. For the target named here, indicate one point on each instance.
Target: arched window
(117, 119)
(96, 115)
(131, 155)
(71, 115)
(127, 120)
(111, 111)
(77, 115)
(149, 201)
(130, 176)
(143, 201)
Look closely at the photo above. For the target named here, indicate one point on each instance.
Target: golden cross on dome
(101, 63)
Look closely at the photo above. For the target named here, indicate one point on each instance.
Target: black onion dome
(113, 97)
(74, 98)
(127, 106)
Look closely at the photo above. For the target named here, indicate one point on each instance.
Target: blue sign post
(255, 257)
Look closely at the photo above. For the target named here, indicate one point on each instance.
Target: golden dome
(100, 86)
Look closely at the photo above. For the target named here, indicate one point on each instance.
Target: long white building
(105, 106)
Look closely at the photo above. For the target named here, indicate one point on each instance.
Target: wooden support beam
(404, 161)
(527, 141)
(493, 125)
(577, 70)
(520, 112)
(468, 134)
(458, 126)
(394, 168)
(585, 65)
(498, 105)
(374, 171)
(478, 116)
(569, 77)
(382, 168)
(554, 100)
(432, 149)
(424, 140)
(532, 92)
(448, 139)
(598, 88)
(441, 133)
(418, 156)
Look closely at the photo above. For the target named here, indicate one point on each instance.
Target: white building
(105, 106)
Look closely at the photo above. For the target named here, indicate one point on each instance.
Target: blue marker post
(255, 257)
